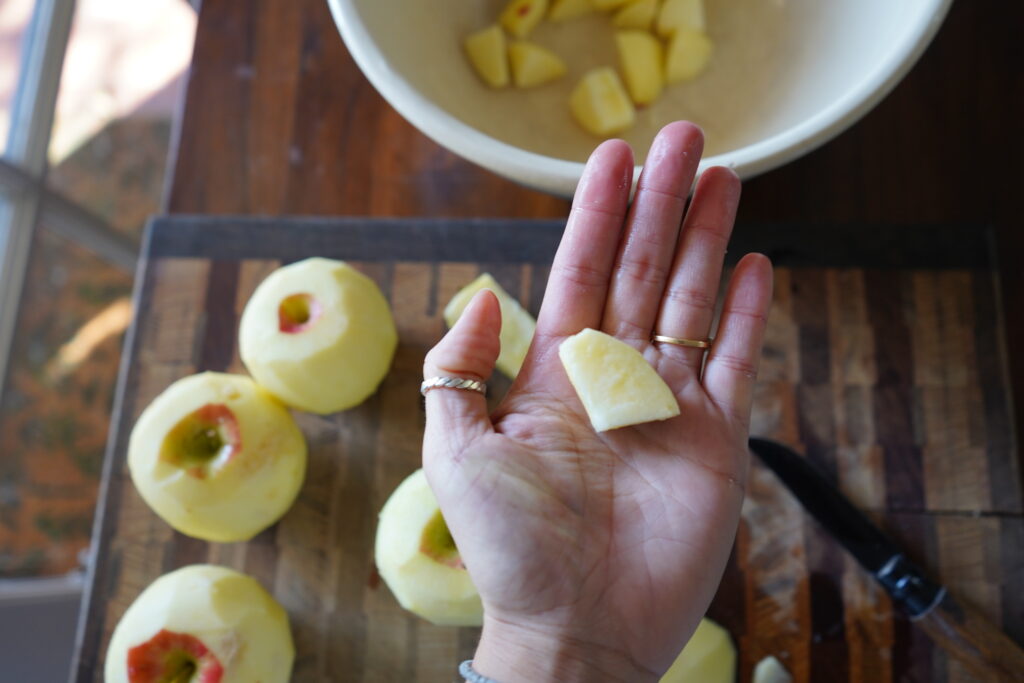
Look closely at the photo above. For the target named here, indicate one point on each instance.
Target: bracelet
(466, 671)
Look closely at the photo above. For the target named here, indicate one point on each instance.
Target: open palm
(596, 554)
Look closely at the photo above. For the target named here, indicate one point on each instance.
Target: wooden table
(892, 378)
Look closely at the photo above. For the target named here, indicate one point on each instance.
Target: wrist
(512, 653)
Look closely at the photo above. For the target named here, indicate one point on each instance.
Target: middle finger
(652, 229)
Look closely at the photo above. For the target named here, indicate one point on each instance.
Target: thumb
(469, 350)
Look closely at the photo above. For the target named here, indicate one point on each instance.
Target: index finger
(578, 283)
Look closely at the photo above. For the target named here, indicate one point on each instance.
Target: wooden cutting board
(884, 363)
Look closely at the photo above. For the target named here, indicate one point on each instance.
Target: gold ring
(689, 343)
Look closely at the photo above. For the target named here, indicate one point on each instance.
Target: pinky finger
(731, 367)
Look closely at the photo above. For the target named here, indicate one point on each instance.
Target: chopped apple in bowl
(564, 10)
(638, 14)
(201, 624)
(417, 558)
(520, 17)
(600, 103)
(640, 55)
(615, 383)
(688, 55)
(217, 457)
(517, 325)
(487, 53)
(533, 65)
(318, 335)
(678, 14)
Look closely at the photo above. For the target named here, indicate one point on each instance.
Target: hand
(596, 554)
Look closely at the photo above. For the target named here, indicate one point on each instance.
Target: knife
(958, 628)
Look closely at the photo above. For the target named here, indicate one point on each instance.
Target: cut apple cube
(606, 5)
(417, 558)
(533, 65)
(487, 53)
(638, 14)
(688, 55)
(564, 10)
(678, 14)
(770, 670)
(615, 383)
(522, 16)
(600, 103)
(517, 325)
(709, 657)
(640, 55)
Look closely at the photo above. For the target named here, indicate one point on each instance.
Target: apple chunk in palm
(201, 624)
(417, 558)
(217, 457)
(615, 383)
(318, 335)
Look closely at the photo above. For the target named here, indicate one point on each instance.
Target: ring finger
(688, 305)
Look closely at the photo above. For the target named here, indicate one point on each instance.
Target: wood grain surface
(890, 378)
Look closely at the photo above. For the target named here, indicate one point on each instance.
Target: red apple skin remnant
(148, 662)
(215, 416)
(524, 10)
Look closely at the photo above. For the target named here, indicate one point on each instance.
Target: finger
(688, 306)
(731, 369)
(652, 230)
(469, 350)
(578, 283)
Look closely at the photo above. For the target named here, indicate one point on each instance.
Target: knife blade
(956, 627)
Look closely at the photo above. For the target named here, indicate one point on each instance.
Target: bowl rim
(560, 176)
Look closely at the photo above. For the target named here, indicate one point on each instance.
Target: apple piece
(318, 335)
(678, 14)
(688, 55)
(600, 104)
(217, 457)
(520, 17)
(615, 383)
(641, 58)
(770, 670)
(533, 65)
(638, 14)
(486, 50)
(201, 624)
(517, 325)
(709, 657)
(417, 558)
(608, 5)
(564, 10)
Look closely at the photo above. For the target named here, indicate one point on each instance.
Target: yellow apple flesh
(318, 335)
(517, 325)
(606, 5)
(615, 383)
(638, 15)
(600, 103)
(417, 558)
(487, 53)
(678, 14)
(217, 457)
(688, 55)
(533, 65)
(709, 657)
(201, 624)
(522, 16)
(640, 55)
(564, 10)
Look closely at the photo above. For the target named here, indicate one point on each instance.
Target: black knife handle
(907, 586)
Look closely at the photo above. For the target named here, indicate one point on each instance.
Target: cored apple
(615, 383)
(709, 657)
(318, 335)
(517, 325)
(201, 624)
(417, 558)
(217, 457)
(600, 104)
(488, 53)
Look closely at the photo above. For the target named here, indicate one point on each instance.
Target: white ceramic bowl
(786, 76)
